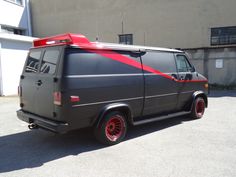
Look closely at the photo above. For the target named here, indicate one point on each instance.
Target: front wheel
(112, 128)
(198, 108)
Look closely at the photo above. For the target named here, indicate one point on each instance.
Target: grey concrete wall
(164, 23)
(205, 62)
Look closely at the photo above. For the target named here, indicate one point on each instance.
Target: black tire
(112, 128)
(198, 108)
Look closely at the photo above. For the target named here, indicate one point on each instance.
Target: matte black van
(70, 83)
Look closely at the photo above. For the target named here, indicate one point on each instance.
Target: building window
(19, 2)
(223, 36)
(11, 30)
(126, 39)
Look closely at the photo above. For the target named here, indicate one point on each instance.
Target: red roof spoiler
(67, 39)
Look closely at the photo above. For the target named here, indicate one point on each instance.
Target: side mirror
(188, 76)
(192, 69)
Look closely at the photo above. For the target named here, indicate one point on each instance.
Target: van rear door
(28, 79)
(46, 83)
(38, 86)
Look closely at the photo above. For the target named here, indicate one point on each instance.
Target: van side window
(182, 64)
(80, 62)
(161, 61)
(49, 62)
(33, 62)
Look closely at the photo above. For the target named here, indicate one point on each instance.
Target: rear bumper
(55, 126)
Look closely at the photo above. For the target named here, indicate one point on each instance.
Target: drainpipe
(1, 84)
(27, 6)
(206, 62)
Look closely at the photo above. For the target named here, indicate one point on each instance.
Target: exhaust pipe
(32, 126)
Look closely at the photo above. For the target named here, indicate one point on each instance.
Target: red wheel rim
(200, 107)
(115, 128)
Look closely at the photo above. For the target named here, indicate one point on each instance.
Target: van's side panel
(161, 93)
(99, 81)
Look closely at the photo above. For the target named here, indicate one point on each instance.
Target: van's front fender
(200, 94)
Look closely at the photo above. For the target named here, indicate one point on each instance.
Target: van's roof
(114, 46)
(80, 41)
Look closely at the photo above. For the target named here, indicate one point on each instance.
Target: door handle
(39, 82)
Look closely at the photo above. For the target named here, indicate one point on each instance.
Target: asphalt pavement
(176, 147)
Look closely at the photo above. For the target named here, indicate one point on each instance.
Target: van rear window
(33, 62)
(49, 62)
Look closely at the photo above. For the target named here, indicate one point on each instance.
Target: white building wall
(15, 15)
(13, 53)
(13, 48)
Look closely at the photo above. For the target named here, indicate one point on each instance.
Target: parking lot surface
(176, 147)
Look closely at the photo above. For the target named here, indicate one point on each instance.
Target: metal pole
(1, 80)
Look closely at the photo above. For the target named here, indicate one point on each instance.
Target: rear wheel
(112, 128)
(198, 108)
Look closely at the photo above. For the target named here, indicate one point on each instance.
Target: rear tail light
(57, 98)
(74, 99)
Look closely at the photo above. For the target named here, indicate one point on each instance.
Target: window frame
(223, 36)
(126, 38)
(6, 29)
